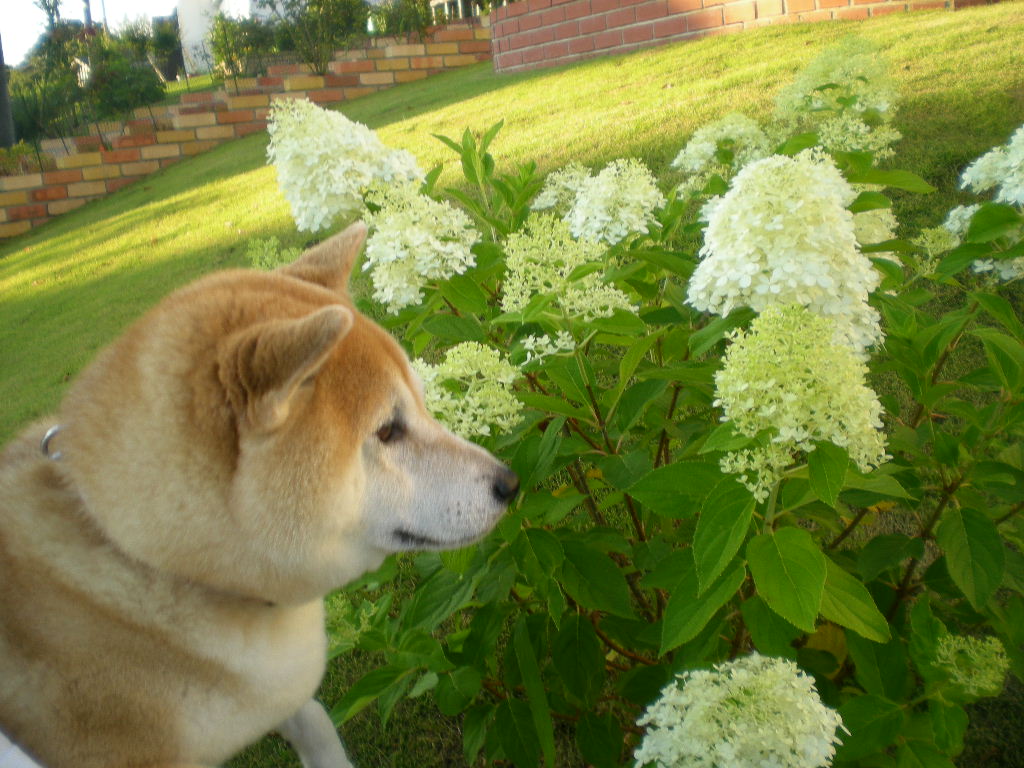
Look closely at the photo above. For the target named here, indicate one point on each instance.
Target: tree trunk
(88, 13)
(6, 119)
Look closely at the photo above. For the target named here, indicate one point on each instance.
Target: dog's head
(256, 433)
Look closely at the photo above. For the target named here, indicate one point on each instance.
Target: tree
(6, 119)
(52, 10)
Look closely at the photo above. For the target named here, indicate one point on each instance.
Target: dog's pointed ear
(330, 263)
(263, 368)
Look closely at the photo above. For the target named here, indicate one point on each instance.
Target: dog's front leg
(311, 733)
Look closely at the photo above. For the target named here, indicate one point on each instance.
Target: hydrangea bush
(771, 494)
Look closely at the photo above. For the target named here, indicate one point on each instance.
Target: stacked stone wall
(115, 155)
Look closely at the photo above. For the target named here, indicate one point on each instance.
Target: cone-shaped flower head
(414, 240)
(325, 162)
(783, 235)
(471, 390)
(789, 376)
(751, 712)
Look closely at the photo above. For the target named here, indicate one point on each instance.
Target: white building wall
(194, 26)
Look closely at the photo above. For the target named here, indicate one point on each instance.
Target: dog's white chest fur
(278, 663)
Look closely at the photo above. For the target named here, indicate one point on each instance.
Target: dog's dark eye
(391, 431)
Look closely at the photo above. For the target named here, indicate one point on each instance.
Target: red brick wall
(541, 33)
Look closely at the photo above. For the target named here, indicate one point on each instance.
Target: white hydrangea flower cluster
(414, 240)
(751, 712)
(736, 132)
(958, 220)
(976, 666)
(787, 375)
(1001, 169)
(783, 235)
(325, 162)
(619, 200)
(851, 71)
(539, 347)
(847, 132)
(560, 188)
(541, 257)
(471, 391)
(874, 226)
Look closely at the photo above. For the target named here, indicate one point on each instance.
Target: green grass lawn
(69, 287)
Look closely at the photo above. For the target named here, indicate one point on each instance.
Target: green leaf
(885, 552)
(671, 490)
(873, 722)
(914, 753)
(437, 598)
(454, 329)
(366, 689)
(426, 683)
(458, 560)
(992, 221)
(789, 572)
(923, 639)
(538, 554)
(600, 740)
(704, 339)
(974, 553)
(475, 725)
(881, 669)
(634, 402)
(465, 295)
(456, 691)
(949, 724)
(961, 257)
(1002, 311)
(558, 405)
(848, 603)
(772, 634)
(1005, 355)
(488, 137)
(724, 437)
(593, 580)
(905, 180)
(724, 519)
(578, 658)
(687, 613)
(869, 201)
(516, 734)
(827, 465)
(530, 673)
(876, 482)
(794, 145)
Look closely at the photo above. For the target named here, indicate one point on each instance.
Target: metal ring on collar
(44, 446)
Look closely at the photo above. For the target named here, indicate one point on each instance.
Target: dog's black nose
(506, 485)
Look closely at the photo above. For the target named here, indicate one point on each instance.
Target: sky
(21, 22)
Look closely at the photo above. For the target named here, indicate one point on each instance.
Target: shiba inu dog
(250, 444)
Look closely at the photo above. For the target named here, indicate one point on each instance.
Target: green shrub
(395, 18)
(318, 28)
(117, 85)
(23, 158)
(241, 47)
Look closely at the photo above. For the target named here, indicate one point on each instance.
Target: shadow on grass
(72, 285)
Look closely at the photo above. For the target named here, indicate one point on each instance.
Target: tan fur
(222, 469)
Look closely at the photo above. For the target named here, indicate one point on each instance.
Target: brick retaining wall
(542, 33)
(115, 155)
